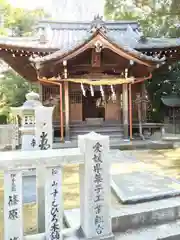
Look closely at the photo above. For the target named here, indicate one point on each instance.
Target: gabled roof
(67, 36)
(102, 35)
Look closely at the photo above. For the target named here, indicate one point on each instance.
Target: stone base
(94, 121)
(137, 187)
(82, 236)
(166, 231)
(134, 216)
(107, 237)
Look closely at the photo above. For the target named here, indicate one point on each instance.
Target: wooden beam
(61, 113)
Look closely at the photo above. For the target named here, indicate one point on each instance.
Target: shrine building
(92, 71)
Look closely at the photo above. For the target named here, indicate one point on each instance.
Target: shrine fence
(94, 168)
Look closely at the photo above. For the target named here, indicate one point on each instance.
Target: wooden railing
(93, 158)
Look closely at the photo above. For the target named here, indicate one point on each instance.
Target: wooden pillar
(125, 109)
(66, 99)
(130, 111)
(61, 113)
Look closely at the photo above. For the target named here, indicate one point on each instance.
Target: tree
(20, 22)
(157, 19)
(12, 86)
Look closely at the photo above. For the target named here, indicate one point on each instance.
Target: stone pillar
(66, 99)
(95, 187)
(125, 109)
(44, 141)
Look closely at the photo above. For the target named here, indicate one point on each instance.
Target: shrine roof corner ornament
(98, 24)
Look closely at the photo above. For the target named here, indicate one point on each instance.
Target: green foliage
(13, 89)
(157, 19)
(20, 21)
(162, 84)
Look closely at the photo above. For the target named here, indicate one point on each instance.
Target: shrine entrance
(93, 106)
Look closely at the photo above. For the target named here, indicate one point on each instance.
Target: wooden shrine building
(92, 71)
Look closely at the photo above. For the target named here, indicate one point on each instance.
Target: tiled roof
(66, 49)
(60, 35)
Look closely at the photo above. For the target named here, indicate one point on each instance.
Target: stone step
(135, 216)
(114, 143)
(161, 232)
(113, 127)
(113, 136)
(97, 130)
(104, 124)
(168, 231)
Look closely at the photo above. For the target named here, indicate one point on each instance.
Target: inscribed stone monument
(95, 195)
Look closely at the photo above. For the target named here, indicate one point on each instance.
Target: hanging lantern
(83, 90)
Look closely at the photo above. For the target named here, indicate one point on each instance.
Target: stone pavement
(158, 162)
(149, 177)
(142, 173)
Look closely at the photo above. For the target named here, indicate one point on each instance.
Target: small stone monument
(95, 188)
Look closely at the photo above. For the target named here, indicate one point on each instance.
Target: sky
(75, 10)
(30, 4)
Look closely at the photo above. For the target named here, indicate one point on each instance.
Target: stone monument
(95, 186)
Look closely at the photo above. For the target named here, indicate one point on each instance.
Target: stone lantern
(36, 123)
